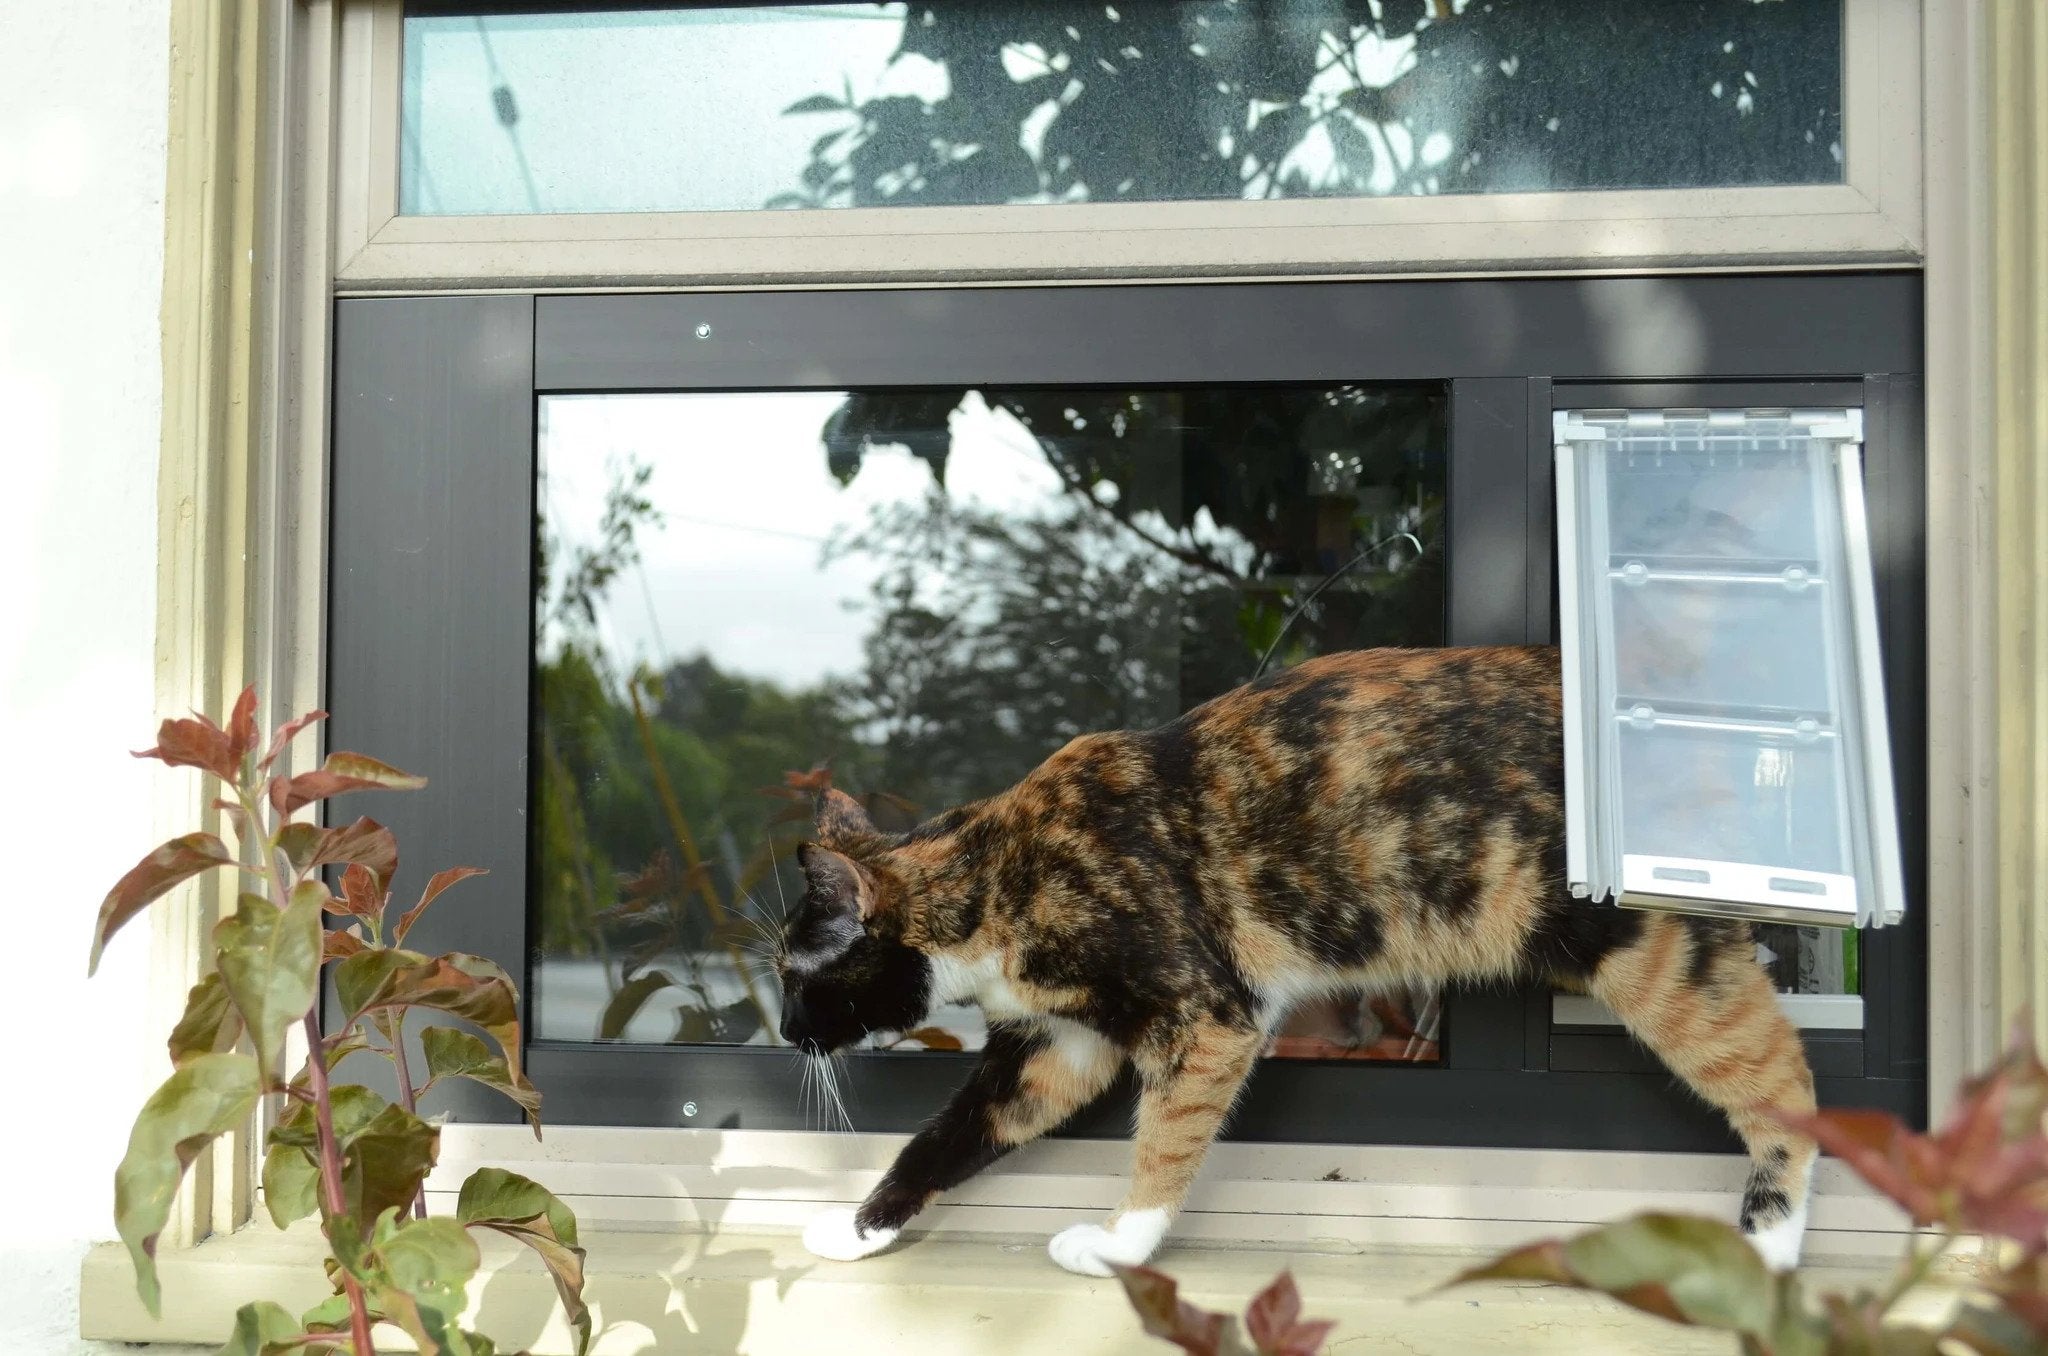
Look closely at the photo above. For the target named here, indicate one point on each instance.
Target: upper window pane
(841, 105)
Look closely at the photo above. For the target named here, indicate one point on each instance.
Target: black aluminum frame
(430, 610)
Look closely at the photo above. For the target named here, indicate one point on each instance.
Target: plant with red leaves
(339, 1151)
(1983, 1174)
(1273, 1322)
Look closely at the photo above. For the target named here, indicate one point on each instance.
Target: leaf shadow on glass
(1390, 97)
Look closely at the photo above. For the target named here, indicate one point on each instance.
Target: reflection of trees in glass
(1232, 99)
(654, 844)
(1190, 524)
(1183, 527)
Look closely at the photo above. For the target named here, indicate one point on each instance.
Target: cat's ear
(837, 881)
(841, 817)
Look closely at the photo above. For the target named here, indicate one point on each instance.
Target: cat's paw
(1779, 1244)
(1127, 1241)
(835, 1237)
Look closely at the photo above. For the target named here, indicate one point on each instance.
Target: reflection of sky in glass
(740, 481)
(580, 146)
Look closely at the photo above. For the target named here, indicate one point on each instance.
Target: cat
(1160, 898)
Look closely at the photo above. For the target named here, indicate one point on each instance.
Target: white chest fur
(980, 981)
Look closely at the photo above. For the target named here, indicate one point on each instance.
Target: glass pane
(924, 594)
(1724, 766)
(968, 102)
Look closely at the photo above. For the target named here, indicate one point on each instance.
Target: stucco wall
(82, 121)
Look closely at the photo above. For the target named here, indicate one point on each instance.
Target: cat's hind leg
(1185, 1092)
(1692, 991)
(1031, 1077)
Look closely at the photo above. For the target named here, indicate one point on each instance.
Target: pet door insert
(1726, 749)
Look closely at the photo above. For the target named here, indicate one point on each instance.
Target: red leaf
(441, 881)
(285, 734)
(1984, 1171)
(366, 842)
(242, 734)
(338, 944)
(341, 772)
(362, 896)
(195, 743)
(1273, 1315)
(1156, 1297)
(154, 876)
(814, 782)
(1281, 1331)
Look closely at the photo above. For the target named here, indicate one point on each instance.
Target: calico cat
(1162, 897)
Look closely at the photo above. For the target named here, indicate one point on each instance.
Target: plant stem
(1917, 1267)
(323, 1103)
(330, 1179)
(394, 1031)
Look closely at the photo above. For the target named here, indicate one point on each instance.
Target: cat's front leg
(1187, 1092)
(1031, 1078)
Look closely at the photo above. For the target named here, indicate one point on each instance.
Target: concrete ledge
(761, 1293)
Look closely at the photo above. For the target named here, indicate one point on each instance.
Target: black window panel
(431, 634)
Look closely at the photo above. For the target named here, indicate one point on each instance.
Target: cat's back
(1413, 702)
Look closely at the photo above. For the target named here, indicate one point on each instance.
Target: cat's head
(845, 969)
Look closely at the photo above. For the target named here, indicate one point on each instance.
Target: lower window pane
(918, 595)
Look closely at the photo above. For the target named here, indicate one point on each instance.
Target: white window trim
(1872, 218)
(1329, 1196)
(333, 241)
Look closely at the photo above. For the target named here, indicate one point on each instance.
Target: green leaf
(270, 961)
(298, 841)
(361, 978)
(291, 1184)
(209, 1096)
(458, 1054)
(524, 1210)
(387, 1161)
(1985, 1331)
(171, 865)
(210, 1025)
(386, 1150)
(341, 772)
(261, 1329)
(430, 1259)
(441, 881)
(627, 1002)
(354, 1107)
(464, 986)
(329, 1315)
(1692, 1271)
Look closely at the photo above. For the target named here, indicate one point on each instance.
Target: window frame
(443, 684)
(1874, 216)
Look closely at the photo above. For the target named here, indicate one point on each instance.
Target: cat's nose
(792, 1021)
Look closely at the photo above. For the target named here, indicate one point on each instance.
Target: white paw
(1779, 1244)
(1091, 1249)
(832, 1236)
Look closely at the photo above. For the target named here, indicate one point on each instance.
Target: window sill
(724, 1292)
